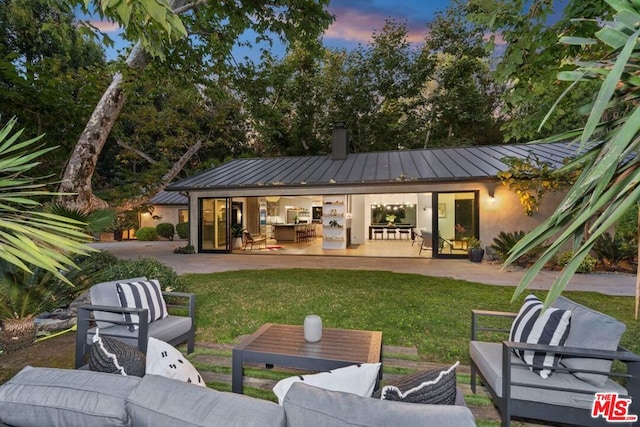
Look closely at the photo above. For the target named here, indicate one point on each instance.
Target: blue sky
(356, 20)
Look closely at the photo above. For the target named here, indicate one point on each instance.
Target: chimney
(340, 141)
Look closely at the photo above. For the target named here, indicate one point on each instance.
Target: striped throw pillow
(142, 295)
(533, 326)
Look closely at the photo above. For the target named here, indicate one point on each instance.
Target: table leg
(236, 371)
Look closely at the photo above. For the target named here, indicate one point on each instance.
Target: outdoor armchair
(131, 324)
(567, 395)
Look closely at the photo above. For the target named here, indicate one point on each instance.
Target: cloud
(357, 21)
(105, 26)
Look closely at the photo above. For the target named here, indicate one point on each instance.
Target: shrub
(506, 240)
(183, 230)
(41, 291)
(148, 267)
(189, 249)
(165, 230)
(613, 249)
(587, 265)
(146, 234)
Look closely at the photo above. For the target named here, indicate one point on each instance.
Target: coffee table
(284, 345)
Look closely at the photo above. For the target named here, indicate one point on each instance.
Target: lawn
(429, 313)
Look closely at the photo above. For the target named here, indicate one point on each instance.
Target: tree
(609, 184)
(378, 77)
(49, 74)
(524, 40)
(460, 100)
(166, 117)
(213, 28)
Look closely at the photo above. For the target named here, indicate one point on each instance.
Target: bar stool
(404, 232)
(301, 234)
(376, 232)
(391, 232)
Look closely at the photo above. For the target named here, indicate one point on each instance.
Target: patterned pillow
(437, 387)
(533, 326)
(165, 360)
(115, 357)
(357, 379)
(142, 295)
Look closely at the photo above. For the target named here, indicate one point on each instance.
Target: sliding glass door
(457, 221)
(215, 217)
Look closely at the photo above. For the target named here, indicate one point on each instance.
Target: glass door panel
(214, 224)
(457, 221)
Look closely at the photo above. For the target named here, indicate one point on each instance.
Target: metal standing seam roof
(437, 165)
(169, 198)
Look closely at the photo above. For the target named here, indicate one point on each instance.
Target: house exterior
(453, 193)
(168, 206)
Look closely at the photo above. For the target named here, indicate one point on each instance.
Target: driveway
(485, 272)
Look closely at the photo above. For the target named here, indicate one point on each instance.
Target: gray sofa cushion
(60, 397)
(594, 330)
(159, 401)
(164, 329)
(488, 358)
(308, 406)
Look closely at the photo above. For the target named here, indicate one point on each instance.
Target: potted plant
(123, 222)
(236, 234)
(475, 251)
(391, 219)
(22, 297)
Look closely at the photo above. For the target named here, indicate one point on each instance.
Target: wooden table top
(336, 344)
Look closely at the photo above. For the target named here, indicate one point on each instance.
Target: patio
(489, 273)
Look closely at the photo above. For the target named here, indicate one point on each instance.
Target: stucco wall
(505, 213)
(168, 213)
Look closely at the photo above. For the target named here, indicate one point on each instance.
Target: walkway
(485, 272)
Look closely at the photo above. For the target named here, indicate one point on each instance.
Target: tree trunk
(84, 158)
(82, 163)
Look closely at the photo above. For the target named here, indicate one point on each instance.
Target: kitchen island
(288, 232)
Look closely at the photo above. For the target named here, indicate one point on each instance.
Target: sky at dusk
(355, 22)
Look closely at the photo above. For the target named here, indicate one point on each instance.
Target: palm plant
(94, 222)
(29, 236)
(609, 184)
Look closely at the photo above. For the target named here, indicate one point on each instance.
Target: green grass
(429, 313)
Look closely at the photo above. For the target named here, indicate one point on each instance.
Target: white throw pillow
(163, 359)
(356, 379)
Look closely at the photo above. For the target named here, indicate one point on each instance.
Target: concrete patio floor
(486, 272)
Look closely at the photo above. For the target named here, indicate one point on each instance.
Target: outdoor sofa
(58, 397)
(584, 369)
(130, 323)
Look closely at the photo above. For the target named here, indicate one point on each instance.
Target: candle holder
(312, 328)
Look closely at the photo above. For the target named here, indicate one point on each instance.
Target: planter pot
(16, 334)
(476, 254)
(237, 243)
